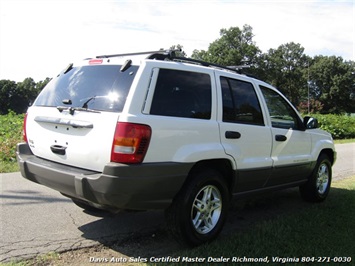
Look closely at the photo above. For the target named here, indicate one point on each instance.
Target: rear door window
(97, 87)
(182, 94)
(240, 102)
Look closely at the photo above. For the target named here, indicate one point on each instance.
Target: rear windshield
(97, 87)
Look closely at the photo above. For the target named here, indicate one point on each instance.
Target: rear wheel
(318, 185)
(198, 212)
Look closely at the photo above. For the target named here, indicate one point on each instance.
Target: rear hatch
(73, 119)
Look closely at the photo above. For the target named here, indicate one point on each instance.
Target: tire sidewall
(201, 180)
(323, 160)
(309, 191)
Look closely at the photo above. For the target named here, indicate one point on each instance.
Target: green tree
(24, 96)
(7, 90)
(17, 97)
(286, 69)
(235, 47)
(41, 84)
(332, 82)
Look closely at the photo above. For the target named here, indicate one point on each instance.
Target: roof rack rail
(236, 69)
(239, 67)
(162, 52)
(127, 54)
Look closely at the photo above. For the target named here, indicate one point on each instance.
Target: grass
(344, 141)
(319, 230)
(10, 135)
(8, 167)
(42, 260)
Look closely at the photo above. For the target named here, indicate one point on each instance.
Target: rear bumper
(119, 186)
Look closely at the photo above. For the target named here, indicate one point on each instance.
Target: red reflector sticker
(95, 61)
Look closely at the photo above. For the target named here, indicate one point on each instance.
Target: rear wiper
(73, 109)
(85, 105)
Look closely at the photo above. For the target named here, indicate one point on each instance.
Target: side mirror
(310, 122)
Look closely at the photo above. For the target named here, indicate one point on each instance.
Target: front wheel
(318, 185)
(198, 212)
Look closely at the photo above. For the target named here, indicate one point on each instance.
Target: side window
(281, 113)
(240, 102)
(182, 94)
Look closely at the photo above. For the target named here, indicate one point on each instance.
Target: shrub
(315, 106)
(340, 126)
(10, 134)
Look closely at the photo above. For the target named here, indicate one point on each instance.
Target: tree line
(18, 96)
(319, 84)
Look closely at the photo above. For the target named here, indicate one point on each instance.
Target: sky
(40, 38)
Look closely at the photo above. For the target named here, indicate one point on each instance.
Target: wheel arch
(330, 153)
(223, 166)
(185, 217)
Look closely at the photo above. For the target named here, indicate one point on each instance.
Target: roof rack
(170, 54)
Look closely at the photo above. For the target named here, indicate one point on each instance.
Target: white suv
(156, 131)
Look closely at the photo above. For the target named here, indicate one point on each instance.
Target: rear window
(97, 87)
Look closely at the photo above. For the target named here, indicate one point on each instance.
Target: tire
(198, 212)
(318, 185)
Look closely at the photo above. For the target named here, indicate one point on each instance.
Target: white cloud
(39, 38)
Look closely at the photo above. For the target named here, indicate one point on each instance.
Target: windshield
(97, 87)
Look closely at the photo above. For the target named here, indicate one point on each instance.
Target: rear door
(73, 119)
(243, 132)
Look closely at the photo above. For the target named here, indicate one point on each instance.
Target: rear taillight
(24, 133)
(130, 143)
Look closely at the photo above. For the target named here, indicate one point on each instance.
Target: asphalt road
(36, 220)
(345, 164)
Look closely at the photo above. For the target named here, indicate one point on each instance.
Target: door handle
(280, 138)
(57, 149)
(232, 135)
